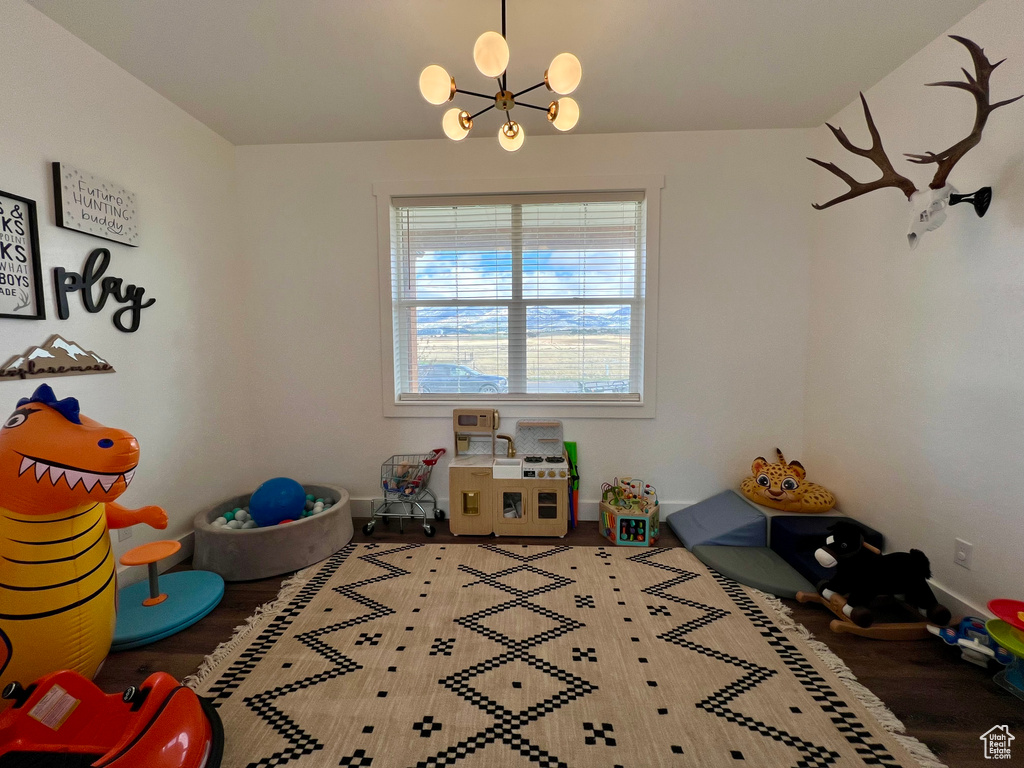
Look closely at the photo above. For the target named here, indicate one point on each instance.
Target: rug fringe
(289, 588)
(918, 749)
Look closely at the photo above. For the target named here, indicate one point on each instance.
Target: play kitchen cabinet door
(549, 509)
(530, 509)
(471, 504)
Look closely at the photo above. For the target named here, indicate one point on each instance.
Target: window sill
(517, 409)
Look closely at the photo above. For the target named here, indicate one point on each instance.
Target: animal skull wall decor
(928, 206)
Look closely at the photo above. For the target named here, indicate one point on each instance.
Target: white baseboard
(957, 604)
(589, 510)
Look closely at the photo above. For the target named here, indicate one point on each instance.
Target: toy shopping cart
(404, 478)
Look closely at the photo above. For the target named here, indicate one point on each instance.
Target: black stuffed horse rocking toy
(863, 573)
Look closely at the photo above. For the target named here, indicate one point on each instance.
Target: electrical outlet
(123, 534)
(962, 553)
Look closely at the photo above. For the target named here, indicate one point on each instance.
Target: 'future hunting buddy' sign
(95, 206)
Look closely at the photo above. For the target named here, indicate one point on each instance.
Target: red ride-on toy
(64, 721)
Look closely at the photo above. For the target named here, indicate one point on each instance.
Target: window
(537, 298)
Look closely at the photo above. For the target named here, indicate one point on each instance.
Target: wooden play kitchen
(521, 489)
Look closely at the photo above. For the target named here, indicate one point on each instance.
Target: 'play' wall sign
(65, 282)
(95, 206)
(57, 357)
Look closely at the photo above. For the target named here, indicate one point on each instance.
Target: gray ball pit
(256, 553)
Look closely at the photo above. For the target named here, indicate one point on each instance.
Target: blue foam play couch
(731, 535)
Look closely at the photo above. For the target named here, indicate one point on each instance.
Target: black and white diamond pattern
(240, 669)
(592, 733)
(508, 723)
(846, 722)
(718, 703)
(442, 646)
(426, 727)
(359, 759)
(298, 742)
(584, 654)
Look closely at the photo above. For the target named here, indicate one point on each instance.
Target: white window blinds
(528, 297)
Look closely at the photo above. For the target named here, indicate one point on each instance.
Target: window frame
(649, 185)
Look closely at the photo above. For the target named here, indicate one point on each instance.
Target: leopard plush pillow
(783, 486)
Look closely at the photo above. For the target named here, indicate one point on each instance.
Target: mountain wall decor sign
(57, 357)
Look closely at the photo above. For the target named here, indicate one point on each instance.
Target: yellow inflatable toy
(784, 486)
(59, 475)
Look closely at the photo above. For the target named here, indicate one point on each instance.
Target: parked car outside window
(444, 377)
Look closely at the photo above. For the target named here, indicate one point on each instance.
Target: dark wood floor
(943, 701)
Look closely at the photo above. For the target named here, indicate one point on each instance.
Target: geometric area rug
(423, 655)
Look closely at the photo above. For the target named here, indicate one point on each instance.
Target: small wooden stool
(145, 614)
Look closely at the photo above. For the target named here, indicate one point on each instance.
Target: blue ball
(280, 498)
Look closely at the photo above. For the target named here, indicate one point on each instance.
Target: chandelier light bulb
(456, 123)
(564, 74)
(436, 85)
(511, 135)
(491, 54)
(564, 113)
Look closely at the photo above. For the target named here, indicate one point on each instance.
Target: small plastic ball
(241, 515)
(309, 505)
(249, 524)
(282, 522)
(233, 525)
(318, 501)
(310, 497)
(220, 521)
(229, 516)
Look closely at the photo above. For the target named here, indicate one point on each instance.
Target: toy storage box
(630, 527)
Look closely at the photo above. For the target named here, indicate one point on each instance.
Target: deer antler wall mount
(940, 193)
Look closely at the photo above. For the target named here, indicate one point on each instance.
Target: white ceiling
(284, 71)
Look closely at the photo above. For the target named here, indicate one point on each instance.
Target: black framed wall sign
(95, 206)
(21, 277)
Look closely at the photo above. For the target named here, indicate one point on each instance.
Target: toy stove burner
(551, 467)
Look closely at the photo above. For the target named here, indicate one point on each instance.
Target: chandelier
(491, 56)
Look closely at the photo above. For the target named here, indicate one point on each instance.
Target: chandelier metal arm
(504, 75)
(531, 106)
(473, 93)
(527, 90)
(485, 109)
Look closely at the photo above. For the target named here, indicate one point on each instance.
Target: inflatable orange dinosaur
(59, 475)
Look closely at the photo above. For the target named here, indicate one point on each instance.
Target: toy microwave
(475, 421)
(467, 422)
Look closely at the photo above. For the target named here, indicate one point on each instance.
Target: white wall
(177, 381)
(732, 296)
(915, 385)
